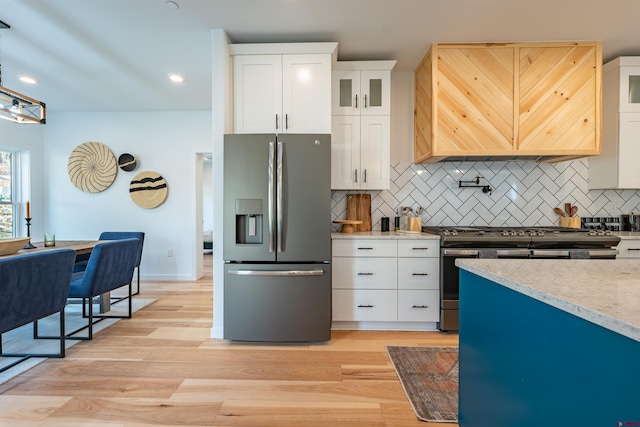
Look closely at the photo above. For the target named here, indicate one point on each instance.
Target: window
(7, 206)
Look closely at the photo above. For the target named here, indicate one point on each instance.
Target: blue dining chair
(118, 235)
(110, 266)
(32, 287)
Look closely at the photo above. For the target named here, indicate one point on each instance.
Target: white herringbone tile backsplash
(524, 194)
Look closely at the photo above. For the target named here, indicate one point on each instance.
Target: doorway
(204, 210)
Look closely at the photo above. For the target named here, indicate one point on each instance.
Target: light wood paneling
(424, 115)
(475, 100)
(540, 100)
(160, 368)
(558, 99)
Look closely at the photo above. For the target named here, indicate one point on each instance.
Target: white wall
(27, 137)
(222, 122)
(165, 142)
(401, 116)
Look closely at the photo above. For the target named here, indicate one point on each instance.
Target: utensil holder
(415, 224)
(570, 221)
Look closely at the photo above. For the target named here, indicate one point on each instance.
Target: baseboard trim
(166, 278)
(217, 333)
(385, 326)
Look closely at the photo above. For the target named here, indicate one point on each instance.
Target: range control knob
(540, 233)
(505, 233)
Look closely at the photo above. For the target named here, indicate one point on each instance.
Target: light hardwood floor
(161, 368)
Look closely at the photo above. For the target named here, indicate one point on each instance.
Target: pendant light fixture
(19, 108)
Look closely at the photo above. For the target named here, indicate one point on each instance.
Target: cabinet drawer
(628, 249)
(364, 273)
(365, 305)
(418, 306)
(418, 248)
(365, 248)
(418, 273)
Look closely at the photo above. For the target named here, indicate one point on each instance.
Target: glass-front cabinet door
(366, 93)
(376, 93)
(630, 89)
(346, 97)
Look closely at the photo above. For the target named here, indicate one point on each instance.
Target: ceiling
(115, 55)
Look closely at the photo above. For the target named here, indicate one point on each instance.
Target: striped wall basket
(127, 162)
(148, 189)
(92, 167)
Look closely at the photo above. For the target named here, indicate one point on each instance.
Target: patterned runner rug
(429, 376)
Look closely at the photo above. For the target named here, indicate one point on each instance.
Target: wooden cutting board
(359, 208)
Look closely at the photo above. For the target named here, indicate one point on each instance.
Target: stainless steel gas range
(512, 242)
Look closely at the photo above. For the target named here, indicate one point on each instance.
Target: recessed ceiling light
(176, 78)
(172, 5)
(27, 79)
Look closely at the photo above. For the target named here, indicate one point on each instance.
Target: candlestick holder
(29, 245)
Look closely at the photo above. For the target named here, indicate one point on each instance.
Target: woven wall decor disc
(127, 162)
(148, 189)
(92, 167)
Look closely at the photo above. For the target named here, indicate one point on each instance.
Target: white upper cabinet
(282, 88)
(361, 93)
(361, 125)
(629, 96)
(345, 152)
(257, 93)
(617, 167)
(375, 152)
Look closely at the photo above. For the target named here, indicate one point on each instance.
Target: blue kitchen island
(549, 343)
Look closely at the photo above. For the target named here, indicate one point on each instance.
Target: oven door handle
(471, 253)
(511, 253)
(474, 253)
(603, 253)
(549, 253)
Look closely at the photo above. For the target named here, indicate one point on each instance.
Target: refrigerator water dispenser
(249, 221)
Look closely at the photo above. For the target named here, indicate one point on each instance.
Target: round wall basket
(92, 167)
(127, 162)
(148, 189)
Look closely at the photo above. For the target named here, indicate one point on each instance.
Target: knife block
(570, 221)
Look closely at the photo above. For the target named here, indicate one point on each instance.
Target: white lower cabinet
(386, 283)
(628, 249)
(364, 305)
(418, 306)
(364, 273)
(419, 280)
(418, 273)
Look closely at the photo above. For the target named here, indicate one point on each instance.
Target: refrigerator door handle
(271, 198)
(280, 198)
(317, 272)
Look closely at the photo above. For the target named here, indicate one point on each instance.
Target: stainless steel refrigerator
(277, 237)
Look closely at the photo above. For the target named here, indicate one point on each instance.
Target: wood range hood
(508, 101)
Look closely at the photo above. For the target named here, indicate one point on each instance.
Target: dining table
(82, 247)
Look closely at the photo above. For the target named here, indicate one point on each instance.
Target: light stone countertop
(627, 235)
(384, 235)
(604, 292)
